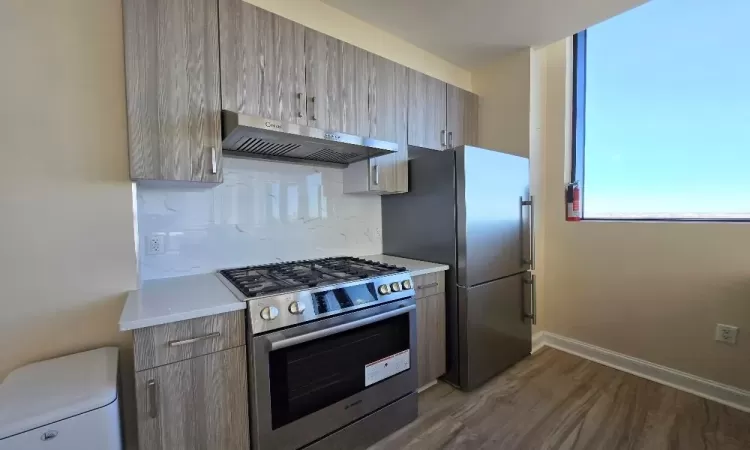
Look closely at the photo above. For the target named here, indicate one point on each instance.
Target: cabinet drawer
(429, 284)
(168, 343)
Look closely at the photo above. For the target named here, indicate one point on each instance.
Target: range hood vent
(257, 137)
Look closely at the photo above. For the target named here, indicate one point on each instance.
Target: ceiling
(473, 33)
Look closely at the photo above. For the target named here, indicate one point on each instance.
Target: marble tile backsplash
(263, 212)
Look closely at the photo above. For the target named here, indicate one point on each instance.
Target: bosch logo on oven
(353, 404)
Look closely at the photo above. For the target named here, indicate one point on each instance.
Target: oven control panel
(284, 310)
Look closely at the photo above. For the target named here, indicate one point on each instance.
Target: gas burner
(271, 279)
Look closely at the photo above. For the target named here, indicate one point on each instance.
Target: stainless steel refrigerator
(470, 208)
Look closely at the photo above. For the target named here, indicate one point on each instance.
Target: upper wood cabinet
(337, 81)
(441, 116)
(186, 60)
(427, 112)
(172, 83)
(262, 63)
(387, 103)
(389, 94)
(463, 117)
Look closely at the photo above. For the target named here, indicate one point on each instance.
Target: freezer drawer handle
(532, 315)
(428, 286)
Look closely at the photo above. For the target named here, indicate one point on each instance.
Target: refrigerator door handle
(532, 314)
(524, 260)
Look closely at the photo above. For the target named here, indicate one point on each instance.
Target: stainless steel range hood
(258, 137)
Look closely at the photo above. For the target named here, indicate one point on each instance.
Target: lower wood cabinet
(430, 338)
(200, 403)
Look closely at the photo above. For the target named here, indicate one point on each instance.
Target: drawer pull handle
(428, 286)
(215, 334)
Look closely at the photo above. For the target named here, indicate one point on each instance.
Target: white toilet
(67, 403)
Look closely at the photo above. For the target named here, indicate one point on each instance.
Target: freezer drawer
(494, 332)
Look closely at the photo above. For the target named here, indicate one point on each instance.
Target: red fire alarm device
(573, 202)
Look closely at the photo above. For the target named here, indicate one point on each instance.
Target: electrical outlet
(726, 333)
(155, 244)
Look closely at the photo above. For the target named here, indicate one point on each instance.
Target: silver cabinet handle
(375, 175)
(428, 286)
(288, 342)
(530, 260)
(450, 139)
(312, 100)
(442, 138)
(215, 334)
(153, 405)
(299, 105)
(213, 160)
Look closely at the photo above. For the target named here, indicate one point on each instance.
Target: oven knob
(297, 308)
(406, 284)
(269, 313)
(384, 289)
(395, 286)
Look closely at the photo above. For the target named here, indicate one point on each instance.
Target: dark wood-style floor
(553, 400)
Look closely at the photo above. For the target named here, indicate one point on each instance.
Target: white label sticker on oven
(386, 367)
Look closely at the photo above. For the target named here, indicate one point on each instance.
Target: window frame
(578, 137)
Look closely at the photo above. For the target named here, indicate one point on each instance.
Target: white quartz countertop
(414, 266)
(173, 299)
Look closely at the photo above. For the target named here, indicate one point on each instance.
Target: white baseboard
(702, 387)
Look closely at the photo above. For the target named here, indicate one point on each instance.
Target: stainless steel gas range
(331, 351)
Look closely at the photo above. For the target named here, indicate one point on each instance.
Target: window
(662, 112)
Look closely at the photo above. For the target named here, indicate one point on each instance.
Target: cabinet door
(337, 82)
(427, 112)
(430, 338)
(463, 116)
(262, 63)
(388, 110)
(172, 79)
(199, 403)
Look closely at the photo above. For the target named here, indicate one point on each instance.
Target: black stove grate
(269, 279)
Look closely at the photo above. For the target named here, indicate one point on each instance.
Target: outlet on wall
(155, 244)
(726, 333)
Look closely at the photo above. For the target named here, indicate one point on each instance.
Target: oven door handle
(288, 342)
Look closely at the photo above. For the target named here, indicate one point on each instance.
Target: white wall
(67, 253)
(264, 212)
(650, 290)
(334, 22)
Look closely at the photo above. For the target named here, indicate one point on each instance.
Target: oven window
(310, 376)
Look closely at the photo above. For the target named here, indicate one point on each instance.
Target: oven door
(313, 379)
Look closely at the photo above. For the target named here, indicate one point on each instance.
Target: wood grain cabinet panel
(200, 403)
(387, 104)
(337, 82)
(164, 344)
(429, 284)
(262, 63)
(463, 117)
(428, 122)
(430, 338)
(172, 85)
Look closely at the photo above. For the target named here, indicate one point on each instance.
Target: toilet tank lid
(48, 391)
